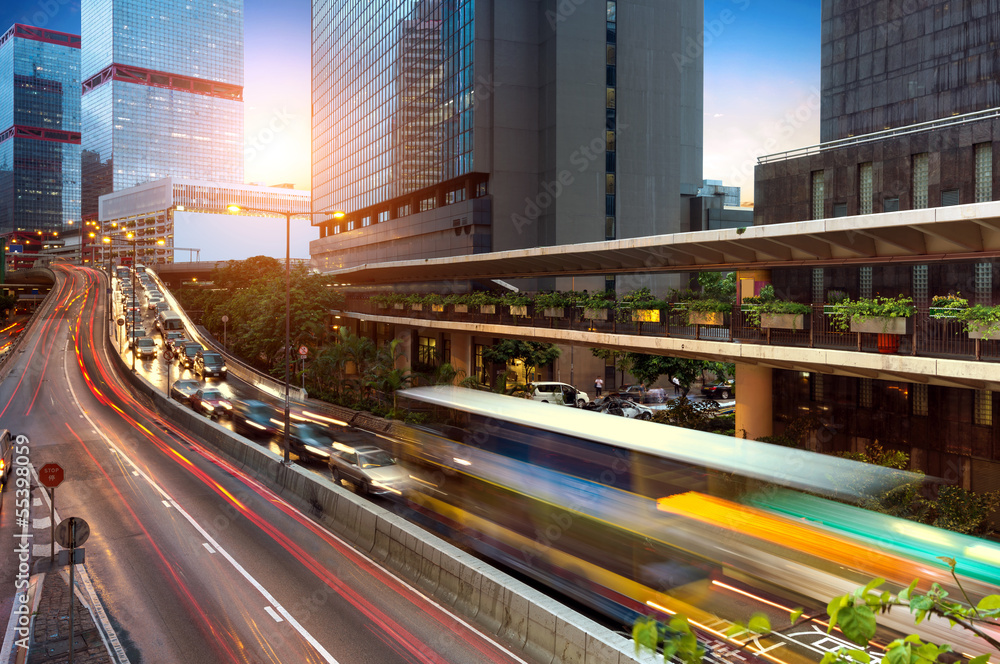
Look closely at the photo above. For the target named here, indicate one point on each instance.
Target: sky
(762, 76)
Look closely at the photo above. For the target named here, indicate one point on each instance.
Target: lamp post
(336, 214)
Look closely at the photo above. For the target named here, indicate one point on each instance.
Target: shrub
(869, 308)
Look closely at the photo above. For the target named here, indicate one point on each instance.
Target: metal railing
(926, 336)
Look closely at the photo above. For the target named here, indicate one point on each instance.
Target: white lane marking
(135, 473)
(225, 554)
(38, 524)
(274, 615)
(36, 501)
(207, 546)
(166, 503)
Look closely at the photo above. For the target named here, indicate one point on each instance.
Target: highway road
(193, 560)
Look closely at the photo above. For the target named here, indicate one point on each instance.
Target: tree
(688, 414)
(620, 359)
(384, 375)
(718, 285)
(648, 369)
(7, 302)
(532, 354)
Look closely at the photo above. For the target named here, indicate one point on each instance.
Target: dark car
(210, 401)
(209, 363)
(134, 335)
(311, 441)
(722, 390)
(369, 469)
(173, 338)
(186, 353)
(145, 348)
(255, 418)
(182, 390)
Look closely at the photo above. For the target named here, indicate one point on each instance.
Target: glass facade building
(39, 129)
(393, 98)
(162, 93)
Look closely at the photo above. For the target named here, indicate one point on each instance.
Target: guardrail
(7, 359)
(498, 604)
(236, 367)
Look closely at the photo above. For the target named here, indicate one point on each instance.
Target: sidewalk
(50, 627)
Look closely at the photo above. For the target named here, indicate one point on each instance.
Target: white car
(560, 393)
(614, 404)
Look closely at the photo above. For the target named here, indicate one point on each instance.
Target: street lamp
(336, 214)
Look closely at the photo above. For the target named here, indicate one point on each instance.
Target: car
(133, 335)
(145, 348)
(173, 338)
(182, 390)
(615, 404)
(371, 470)
(310, 441)
(210, 401)
(721, 390)
(186, 353)
(254, 418)
(151, 302)
(560, 393)
(162, 306)
(209, 363)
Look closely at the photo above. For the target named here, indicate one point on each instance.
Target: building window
(479, 364)
(481, 189)
(890, 205)
(609, 141)
(984, 408)
(840, 209)
(920, 288)
(609, 228)
(817, 284)
(609, 183)
(427, 204)
(611, 98)
(949, 197)
(366, 220)
(984, 172)
(816, 387)
(383, 216)
(446, 351)
(865, 188)
(350, 225)
(920, 402)
(920, 166)
(818, 187)
(865, 281)
(426, 350)
(984, 283)
(865, 393)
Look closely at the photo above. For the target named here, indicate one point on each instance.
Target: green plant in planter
(869, 308)
(947, 306)
(554, 300)
(980, 319)
(641, 298)
(414, 298)
(768, 303)
(386, 300)
(836, 296)
(479, 298)
(432, 298)
(707, 305)
(519, 299)
(596, 300)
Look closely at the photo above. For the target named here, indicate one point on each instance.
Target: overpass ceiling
(933, 234)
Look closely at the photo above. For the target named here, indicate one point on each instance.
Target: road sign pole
(52, 526)
(72, 567)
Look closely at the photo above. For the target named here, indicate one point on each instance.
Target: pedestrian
(677, 385)
(598, 385)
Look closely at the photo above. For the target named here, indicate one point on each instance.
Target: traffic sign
(303, 351)
(51, 475)
(225, 319)
(72, 532)
(121, 321)
(168, 356)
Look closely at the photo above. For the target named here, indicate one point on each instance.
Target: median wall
(500, 605)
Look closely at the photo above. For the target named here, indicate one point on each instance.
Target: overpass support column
(461, 352)
(754, 412)
(406, 336)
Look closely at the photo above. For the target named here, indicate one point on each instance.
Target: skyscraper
(162, 93)
(449, 127)
(39, 129)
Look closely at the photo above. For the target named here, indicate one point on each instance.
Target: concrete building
(176, 220)
(39, 130)
(162, 93)
(451, 128)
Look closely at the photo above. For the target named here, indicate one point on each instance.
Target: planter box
(646, 316)
(881, 325)
(705, 318)
(461, 308)
(595, 314)
(554, 312)
(487, 308)
(784, 321)
(978, 332)
(398, 305)
(943, 312)
(519, 310)
(417, 307)
(437, 307)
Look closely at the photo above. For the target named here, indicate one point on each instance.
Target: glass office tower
(162, 93)
(39, 129)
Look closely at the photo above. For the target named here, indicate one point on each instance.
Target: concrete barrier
(515, 613)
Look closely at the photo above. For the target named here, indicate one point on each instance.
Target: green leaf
(858, 624)
(859, 655)
(795, 615)
(948, 561)
(679, 623)
(982, 659)
(670, 648)
(905, 595)
(759, 624)
(833, 610)
(921, 603)
(872, 585)
(989, 603)
(913, 638)
(899, 654)
(735, 628)
(831, 657)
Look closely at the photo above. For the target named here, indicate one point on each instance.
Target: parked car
(254, 418)
(560, 393)
(209, 363)
(182, 390)
(369, 469)
(721, 390)
(210, 401)
(145, 348)
(640, 394)
(615, 404)
(310, 441)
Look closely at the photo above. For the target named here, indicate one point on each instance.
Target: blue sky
(761, 81)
